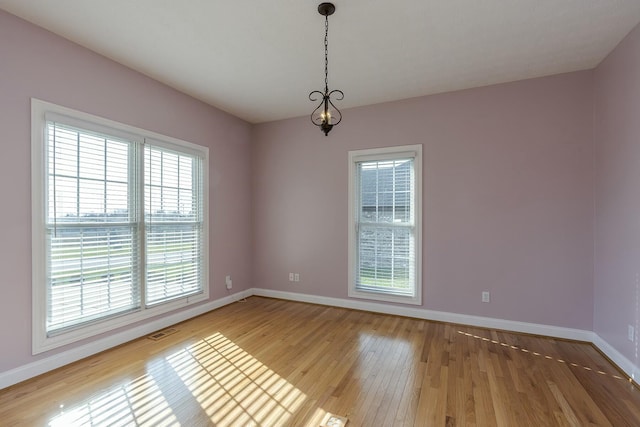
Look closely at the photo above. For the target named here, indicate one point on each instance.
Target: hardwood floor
(275, 363)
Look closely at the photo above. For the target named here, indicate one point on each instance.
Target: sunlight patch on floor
(232, 386)
(139, 402)
(229, 386)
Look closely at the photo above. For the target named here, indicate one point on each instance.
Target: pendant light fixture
(326, 115)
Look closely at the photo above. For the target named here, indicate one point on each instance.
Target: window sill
(385, 297)
(42, 343)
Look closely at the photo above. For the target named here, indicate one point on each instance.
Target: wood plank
(277, 363)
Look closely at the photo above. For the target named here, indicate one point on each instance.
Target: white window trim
(40, 341)
(381, 154)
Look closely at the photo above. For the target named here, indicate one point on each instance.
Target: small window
(384, 217)
(119, 224)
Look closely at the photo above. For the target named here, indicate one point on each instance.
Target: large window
(384, 231)
(119, 224)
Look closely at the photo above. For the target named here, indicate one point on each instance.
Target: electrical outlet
(291, 277)
(296, 277)
(486, 296)
(228, 282)
(631, 333)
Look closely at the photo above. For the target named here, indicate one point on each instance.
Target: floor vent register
(156, 336)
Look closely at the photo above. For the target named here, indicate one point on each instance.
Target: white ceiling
(259, 60)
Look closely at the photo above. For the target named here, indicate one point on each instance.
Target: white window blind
(385, 227)
(385, 212)
(120, 225)
(173, 224)
(92, 228)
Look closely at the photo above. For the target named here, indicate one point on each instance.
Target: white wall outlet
(291, 277)
(486, 296)
(296, 277)
(228, 282)
(631, 333)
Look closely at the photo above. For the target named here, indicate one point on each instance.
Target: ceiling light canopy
(326, 115)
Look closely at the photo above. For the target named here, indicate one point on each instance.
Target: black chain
(326, 53)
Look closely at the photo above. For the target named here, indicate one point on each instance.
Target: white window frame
(41, 342)
(386, 153)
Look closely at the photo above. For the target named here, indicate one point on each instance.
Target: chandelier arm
(337, 111)
(338, 91)
(317, 122)
(314, 92)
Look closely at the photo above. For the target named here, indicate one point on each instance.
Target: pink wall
(508, 198)
(36, 63)
(508, 187)
(617, 194)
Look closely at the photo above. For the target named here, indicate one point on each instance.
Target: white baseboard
(55, 361)
(464, 319)
(33, 369)
(618, 358)
(440, 316)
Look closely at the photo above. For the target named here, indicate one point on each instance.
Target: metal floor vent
(156, 336)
